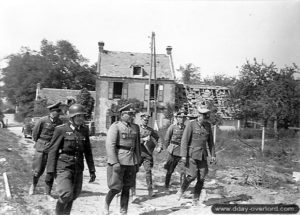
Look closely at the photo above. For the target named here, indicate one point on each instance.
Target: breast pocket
(70, 142)
(124, 135)
(196, 134)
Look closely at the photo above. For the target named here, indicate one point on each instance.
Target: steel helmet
(76, 109)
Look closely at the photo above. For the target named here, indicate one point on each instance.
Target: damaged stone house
(54, 95)
(125, 75)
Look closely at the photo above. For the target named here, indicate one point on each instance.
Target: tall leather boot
(32, 188)
(182, 177)
(124, 200)
(149, 183)
(109, 197)
(185, 184)
(60, 208)
(68, 208)
(167, 183)
(197, 191)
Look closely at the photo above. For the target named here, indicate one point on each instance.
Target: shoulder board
(60, 126)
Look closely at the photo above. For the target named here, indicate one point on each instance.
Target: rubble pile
(191, 96)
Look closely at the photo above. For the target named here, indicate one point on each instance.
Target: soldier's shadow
(86, 193)
(162, 212)
(160, 193)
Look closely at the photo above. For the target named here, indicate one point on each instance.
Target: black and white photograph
(149, 107)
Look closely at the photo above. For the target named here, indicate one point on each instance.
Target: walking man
(196, 135)
(149, 141)
(124, 156)
(42, 133)
(173, 141)
(68, 148)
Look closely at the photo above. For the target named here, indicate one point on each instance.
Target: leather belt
(175, 143)
(125, 147)
(67, 153)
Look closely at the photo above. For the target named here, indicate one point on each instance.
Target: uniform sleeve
(88, 153)
(168, 136)
(110, 144)
(138, 146)
(56, 141)
(37, 129)
(210, 141)
(156, 137)
(186, 136)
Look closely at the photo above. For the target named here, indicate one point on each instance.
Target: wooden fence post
(263, 139)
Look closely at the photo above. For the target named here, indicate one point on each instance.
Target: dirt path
(91, 200)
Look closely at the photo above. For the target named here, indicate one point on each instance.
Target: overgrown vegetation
(57, 65)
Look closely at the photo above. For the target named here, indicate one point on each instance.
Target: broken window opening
(152, 91)
(117, 90)
(137, 70)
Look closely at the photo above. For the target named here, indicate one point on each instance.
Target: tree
(220, 80)
(190, 74)
(20, 77)
(84, 98)
(68, 66)
(54, 66)
(264, 92)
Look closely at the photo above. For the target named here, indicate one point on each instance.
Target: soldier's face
(78, 119)
(54, 114)
(201, 117)
(145, 121)
(127, 117)
(180, 120)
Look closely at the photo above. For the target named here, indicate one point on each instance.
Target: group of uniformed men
(61, 148)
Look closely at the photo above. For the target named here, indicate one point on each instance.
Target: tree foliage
(190, 74)
(264, 92)
(220, 80)
(57, 65)
(85, 98)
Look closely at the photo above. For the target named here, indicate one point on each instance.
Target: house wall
(136, 90)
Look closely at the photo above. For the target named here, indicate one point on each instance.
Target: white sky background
(217, 36)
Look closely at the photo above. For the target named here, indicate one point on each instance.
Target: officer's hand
(213, 160)
(159, 149)
(92, 177)
(147, 138)
(183, 160)
(137, 168)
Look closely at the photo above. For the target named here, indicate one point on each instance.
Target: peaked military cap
(180, 114)
(127, 108)
(54, 107)
(145, 115)
(203, 110)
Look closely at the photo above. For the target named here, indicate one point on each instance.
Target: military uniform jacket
(194, 140)
(67, 149)
(43, 132)
(147, 147)
(173, 138)
(123, 144)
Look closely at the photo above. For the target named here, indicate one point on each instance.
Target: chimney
(101, 45)
(169, 50)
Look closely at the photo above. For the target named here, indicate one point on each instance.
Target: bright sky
(217, 36)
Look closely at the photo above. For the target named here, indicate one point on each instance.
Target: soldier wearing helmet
(173, 141)
(69, 146)
(42, 133)
(123, 158)
(196, 135)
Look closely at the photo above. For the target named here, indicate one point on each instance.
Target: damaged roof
(121, 64)
(54, 95)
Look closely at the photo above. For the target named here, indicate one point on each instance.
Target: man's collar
(73, 127)
(126, 123)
